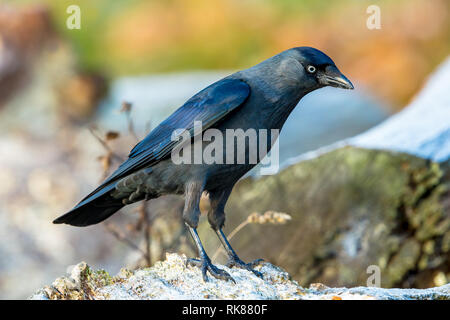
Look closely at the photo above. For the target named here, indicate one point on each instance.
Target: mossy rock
(351, 208)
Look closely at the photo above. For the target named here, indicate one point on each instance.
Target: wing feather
(209, 106)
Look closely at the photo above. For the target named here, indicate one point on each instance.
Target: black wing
(208, 106)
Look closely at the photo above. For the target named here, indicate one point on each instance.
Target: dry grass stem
(271, 217)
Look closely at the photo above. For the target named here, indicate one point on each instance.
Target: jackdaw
(261, 97)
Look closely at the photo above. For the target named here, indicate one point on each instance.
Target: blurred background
(74, 101)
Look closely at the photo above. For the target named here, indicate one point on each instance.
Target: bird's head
(315, 68)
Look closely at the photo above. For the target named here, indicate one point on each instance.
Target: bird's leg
(234, 260)
(204, 263)
(191, 214)
(216, 218)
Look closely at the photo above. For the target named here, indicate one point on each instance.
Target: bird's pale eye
(311, 69)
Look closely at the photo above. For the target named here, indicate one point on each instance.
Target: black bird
(261, 97)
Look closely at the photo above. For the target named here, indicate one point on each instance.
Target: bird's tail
(93, 209)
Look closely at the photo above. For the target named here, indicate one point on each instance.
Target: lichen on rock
(80, 285)
(173, 279)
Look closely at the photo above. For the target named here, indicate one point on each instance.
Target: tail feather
(93, 209)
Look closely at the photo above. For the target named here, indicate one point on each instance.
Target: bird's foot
(234, 261)
(205, 265)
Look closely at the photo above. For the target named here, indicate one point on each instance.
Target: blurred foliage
(141, 36)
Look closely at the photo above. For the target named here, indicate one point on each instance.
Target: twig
(147, 226)
(126, 108)
(271, 217)
(144, 219)
(105, 145)
(119, 236)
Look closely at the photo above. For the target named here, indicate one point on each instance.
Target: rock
(172, 279)
(351, 208)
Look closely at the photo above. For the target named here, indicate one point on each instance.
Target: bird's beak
(334, 78)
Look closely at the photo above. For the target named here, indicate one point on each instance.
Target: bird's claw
(206, 265)
(238, 263)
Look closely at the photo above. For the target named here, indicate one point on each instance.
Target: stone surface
(351, 208)
(171, 279)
